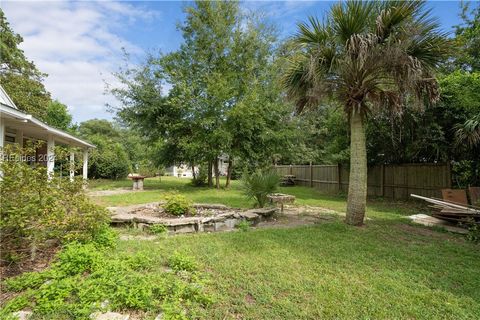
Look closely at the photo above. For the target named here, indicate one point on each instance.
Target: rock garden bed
(207, 217)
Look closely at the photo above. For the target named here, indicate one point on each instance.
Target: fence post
(290, 170)
(449, 175)
(382, 180)
(311, 175)
(339, 177)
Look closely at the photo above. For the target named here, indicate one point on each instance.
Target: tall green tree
(19, 76)
(223, 97)
(57, 116)
(467, 38)
(368, 56)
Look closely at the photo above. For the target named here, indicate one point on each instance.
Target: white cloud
(78, 45)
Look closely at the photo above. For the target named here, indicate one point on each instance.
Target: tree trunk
(357, 188)
(192, 164)
(217, 173)
(210, 180)
(229, 172)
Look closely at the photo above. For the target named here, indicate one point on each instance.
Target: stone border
(221, 222)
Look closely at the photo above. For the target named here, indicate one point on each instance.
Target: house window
(9, 138)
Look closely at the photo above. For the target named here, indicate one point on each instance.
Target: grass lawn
(386, 269)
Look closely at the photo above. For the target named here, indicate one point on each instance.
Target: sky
(79, 43)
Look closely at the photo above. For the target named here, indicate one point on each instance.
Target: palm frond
(468, 132)
(351, 17)
(312, 33)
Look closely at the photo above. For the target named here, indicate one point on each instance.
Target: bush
(259, 185)
(200, 179)
(178, 205)
(109, 160)
(34, 209)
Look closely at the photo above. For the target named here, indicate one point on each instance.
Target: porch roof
(32, 127)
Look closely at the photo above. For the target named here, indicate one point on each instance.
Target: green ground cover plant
(91, 277)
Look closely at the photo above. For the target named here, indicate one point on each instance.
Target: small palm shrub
(259, 184)
(178, 205)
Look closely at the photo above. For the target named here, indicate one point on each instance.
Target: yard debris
(451, 211)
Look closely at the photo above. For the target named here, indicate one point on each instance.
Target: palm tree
(368, 56)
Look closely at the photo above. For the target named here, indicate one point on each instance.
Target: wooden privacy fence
(396, 181)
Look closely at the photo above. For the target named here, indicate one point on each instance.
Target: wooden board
(455, 195)
(474, 195)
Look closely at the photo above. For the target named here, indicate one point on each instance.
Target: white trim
(72, 165)
(28, 118)
(2, 133)
(50, 156)
(5, 98)
(85, 164)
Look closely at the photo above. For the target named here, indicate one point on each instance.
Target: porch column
(50, 156)
(2, 142)
(19, 138)
(72, 165)
(2, 133)
(85, 164)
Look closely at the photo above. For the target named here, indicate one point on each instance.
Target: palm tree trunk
(357, 188)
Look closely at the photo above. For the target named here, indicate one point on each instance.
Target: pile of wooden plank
(451, 211)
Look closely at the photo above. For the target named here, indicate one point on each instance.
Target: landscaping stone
(109, 316)
(22, 315)
(159, 316)
(210, 206)
(265, 212)
(189, 228)
(222, 218)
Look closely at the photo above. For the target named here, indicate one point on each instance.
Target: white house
(185, 171)
(18, 127)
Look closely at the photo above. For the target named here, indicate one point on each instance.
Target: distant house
(19, 127)
(185, 171)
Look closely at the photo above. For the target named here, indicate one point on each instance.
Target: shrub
(109, 160)
(259, 185)
(34, 209)
(178, 205)
(200, 179)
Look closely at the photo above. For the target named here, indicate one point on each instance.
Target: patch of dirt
(43, 261)
(426, 232)
(249, 299)
(100, 193)
(294, 216)
(159, 212)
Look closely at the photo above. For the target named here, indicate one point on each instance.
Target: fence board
(390, 181)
